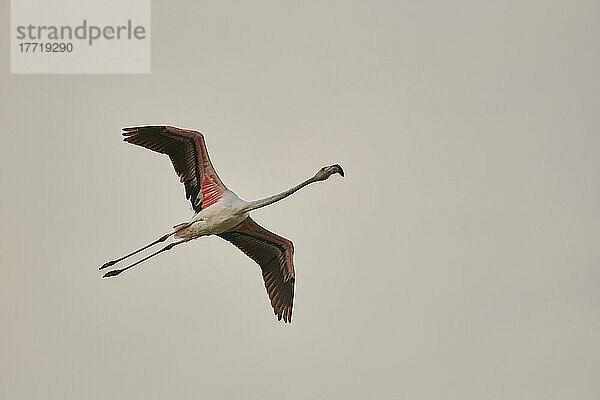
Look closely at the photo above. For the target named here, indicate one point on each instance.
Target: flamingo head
(326, 172)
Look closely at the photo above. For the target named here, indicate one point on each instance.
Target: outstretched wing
(189, 156)
(275, 255)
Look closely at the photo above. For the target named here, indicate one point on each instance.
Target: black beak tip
(341, 170)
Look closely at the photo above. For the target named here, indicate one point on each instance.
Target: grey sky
(458, 258)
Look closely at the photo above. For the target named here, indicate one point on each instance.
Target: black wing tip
(286, 315)
(132, 130)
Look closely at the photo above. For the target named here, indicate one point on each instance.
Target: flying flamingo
(219, 211)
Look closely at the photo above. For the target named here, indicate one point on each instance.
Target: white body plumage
(217, 218)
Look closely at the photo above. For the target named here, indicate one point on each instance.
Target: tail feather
(182, 231)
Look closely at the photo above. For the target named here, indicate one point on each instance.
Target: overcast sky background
(458, 258)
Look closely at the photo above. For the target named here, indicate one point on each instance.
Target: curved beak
(338, 168)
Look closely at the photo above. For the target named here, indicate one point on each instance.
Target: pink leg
(116, 272)
(159, 240)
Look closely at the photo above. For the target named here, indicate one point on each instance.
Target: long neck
(253, 205)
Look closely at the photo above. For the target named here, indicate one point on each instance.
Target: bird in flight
(219, 211)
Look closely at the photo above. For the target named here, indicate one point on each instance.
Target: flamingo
(219, 211)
